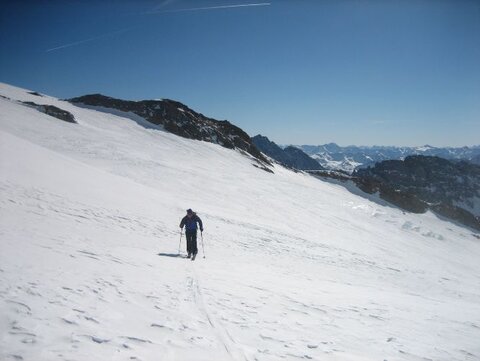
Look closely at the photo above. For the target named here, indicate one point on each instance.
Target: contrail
(166, 2)
(211, 8)
(87, 40)
(161, 5)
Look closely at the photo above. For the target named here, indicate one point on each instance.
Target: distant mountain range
(335, 157)
(417, 183)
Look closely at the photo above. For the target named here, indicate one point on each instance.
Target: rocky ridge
(179, 119)
(290, 156)
(420, 183)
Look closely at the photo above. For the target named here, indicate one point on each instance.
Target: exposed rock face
(270, 148)
(300, 160)
(53, 111)
(177, 118)
(290, 156)
(419, 183)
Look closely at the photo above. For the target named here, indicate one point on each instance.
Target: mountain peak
(179, 119)
(290, 156)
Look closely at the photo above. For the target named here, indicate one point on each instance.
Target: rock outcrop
(179, 119)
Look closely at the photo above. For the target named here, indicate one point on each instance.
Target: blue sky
(300, 71)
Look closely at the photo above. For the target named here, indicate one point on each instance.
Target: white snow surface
(347, 164)
(295, 268)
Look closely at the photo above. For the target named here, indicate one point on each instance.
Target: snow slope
(295, 268)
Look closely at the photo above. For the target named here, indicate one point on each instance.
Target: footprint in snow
(161, 326)
(91, 319)
(69, 322)
(20, 307)
(98, 339)
(136, 339)
(15, 357)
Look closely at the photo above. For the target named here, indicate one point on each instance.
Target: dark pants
(191, 241)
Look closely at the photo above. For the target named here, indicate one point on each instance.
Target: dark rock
(57, 113)
(270, 148)
(179, 119)
(457, 214)
(53, 111)
(35, 93)
(331, 174)
(300, 160)
(420, 183)
(32, 104)
(476, 159)
(291, 157)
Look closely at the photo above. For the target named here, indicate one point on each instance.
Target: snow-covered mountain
(295, 268)
(335, 157)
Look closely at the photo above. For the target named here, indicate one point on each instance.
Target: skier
(190, 222)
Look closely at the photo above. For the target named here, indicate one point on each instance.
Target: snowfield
(295, 268)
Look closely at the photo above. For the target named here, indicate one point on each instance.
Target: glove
(201, 229)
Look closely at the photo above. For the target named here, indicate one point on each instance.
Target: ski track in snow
(295, 268)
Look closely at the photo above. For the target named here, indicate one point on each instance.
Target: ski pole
(180, 244)
(203, 247)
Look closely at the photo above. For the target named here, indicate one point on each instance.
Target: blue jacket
(190, 223)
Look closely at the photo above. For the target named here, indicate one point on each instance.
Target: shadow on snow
(173, 255)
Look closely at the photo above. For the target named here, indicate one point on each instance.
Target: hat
(189, 211)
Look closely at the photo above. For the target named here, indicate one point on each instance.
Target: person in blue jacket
(190, 222)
